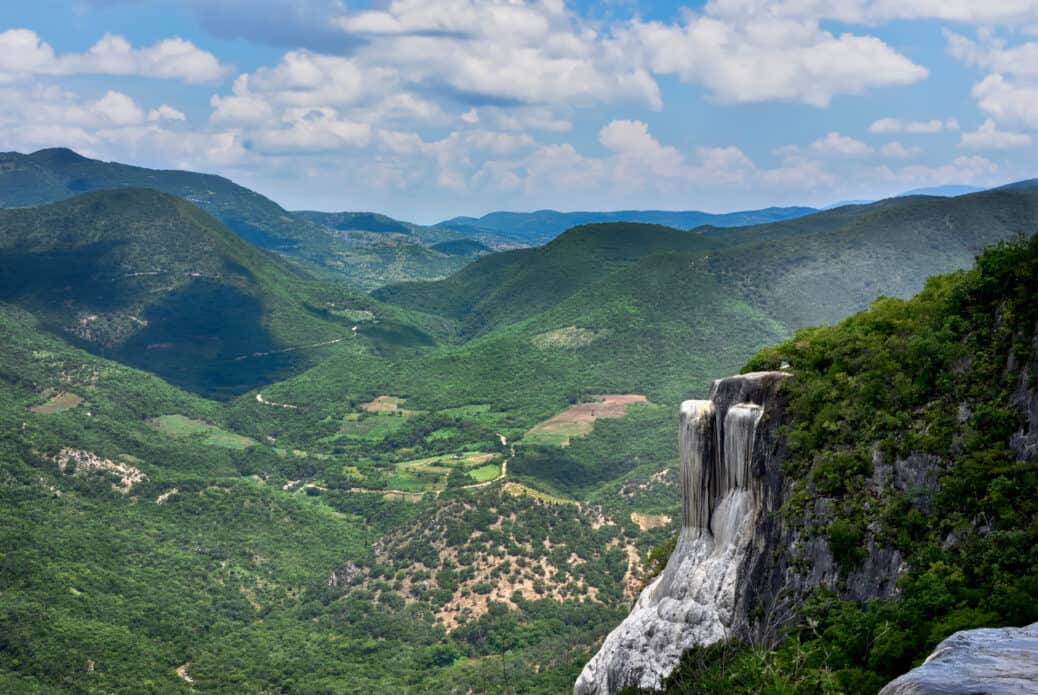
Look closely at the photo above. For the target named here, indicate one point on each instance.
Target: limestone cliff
(731, 485)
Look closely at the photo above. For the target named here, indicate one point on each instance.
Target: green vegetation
(535, 228)
(295, 527)
(362, 250)
(932, 383)
(180, 426)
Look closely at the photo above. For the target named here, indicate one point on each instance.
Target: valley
(227, 470)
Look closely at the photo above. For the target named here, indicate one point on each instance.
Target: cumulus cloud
(165, 112)
(897, 125)
(23, 54)
(989, 137)
(762, 57)
(498, 52)
(994, 56)
(1006, 101)
(895, 150)
(991, 12)
(841, 145)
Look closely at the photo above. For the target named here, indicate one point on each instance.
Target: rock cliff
(731, 485)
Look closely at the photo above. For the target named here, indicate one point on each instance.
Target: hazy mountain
(535, 228)
(351, 247)
(948, 191)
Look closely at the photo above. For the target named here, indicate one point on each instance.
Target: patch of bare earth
(568, 337)
(647, 522)
(385, 404)
(182, 672)
(579, 420)
(493, 564)
(87, 462)
(57, 402)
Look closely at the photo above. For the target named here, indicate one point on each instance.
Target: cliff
(730, 487)
(840, 523)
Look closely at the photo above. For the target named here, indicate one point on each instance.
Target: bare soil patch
(579, 420)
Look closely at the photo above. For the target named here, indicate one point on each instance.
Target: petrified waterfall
(693, 602)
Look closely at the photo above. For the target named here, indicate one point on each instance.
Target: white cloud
(23, 54)
(895, 150)
(972, 169)
(165, 112)
(762, 57)
(1008, 12)
(309, 130)
(994, 56)
(499, 50)
(989, 137)
(897, 125)
(841, 145)
(1007, 102)
(638, 152)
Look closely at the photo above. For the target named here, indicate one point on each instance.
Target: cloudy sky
(426, 109)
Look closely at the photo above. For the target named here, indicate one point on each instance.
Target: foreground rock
(1001, 661)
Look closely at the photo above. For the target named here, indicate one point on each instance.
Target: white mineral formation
(692, 602)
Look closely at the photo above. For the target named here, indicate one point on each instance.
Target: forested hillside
(911, 428)
(357, 254)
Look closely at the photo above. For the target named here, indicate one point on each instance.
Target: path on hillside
(239, 358)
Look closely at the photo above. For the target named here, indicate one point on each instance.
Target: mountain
(360, 256)
(949, 191)
(536, 228)
(880, 496)
(816, 268)
(152, 281)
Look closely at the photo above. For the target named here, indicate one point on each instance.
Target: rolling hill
(357, 253)
(812, 269)
(152, 281)
(540, 227)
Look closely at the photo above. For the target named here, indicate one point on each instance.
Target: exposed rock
(86, 462)
(1001, 661)
(696, 600)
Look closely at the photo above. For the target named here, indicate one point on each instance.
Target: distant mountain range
(540, 227)
(364, 250)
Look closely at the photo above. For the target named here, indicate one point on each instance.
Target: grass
(557, 433)
(372, 428)
(181, 426)
(485, 473)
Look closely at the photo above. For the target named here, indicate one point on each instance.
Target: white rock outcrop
(693, 601)
(999, 661)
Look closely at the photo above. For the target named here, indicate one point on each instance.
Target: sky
(428, 109)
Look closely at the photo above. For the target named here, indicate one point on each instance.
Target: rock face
(1000, 661)
(730, 482)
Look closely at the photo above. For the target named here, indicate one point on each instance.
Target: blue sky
(426, 109)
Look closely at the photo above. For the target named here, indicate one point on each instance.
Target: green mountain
(358, 256)
(813, 269)
(911, 429)
(384, 513)
(540, 227)
(152, 281)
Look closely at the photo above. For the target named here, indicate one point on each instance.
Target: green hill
(940, 387)
(362, 259)
(152, 281)
(812, 269)
(540, 227)
(513, 285)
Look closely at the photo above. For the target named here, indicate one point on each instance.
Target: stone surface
(695, 600)
(1001, 661)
